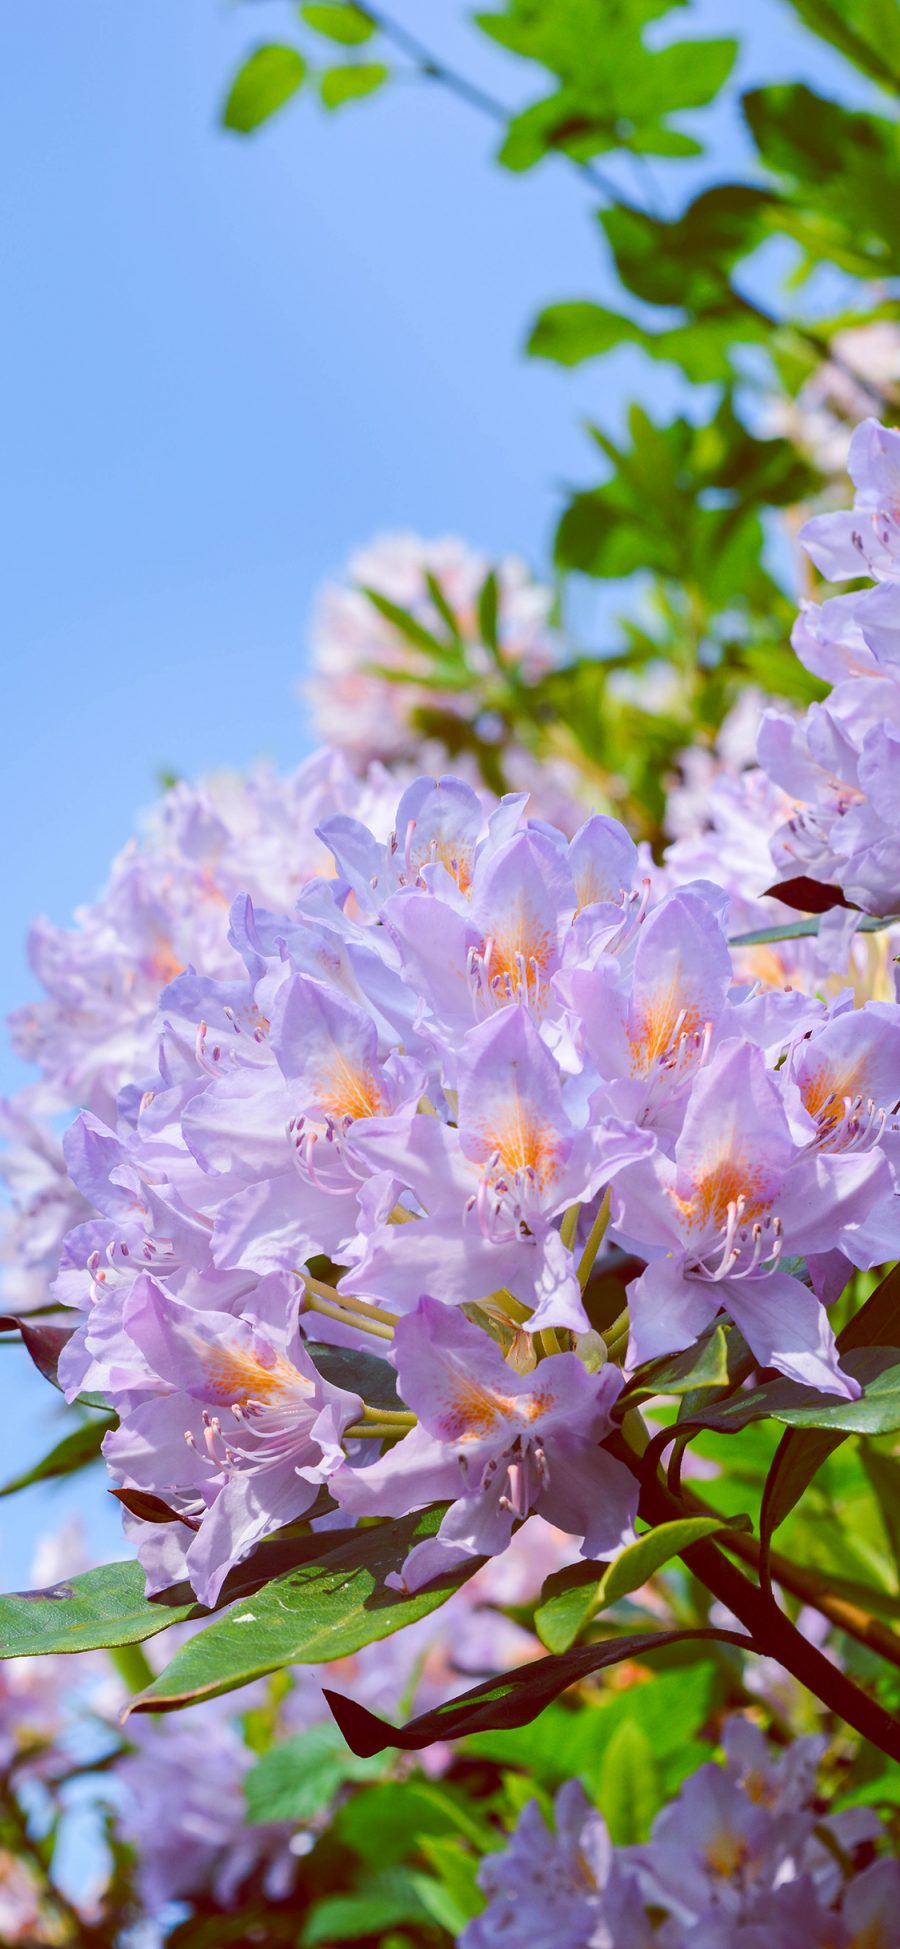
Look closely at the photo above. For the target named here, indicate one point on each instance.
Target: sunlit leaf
(340, 22)
(265, 82)
(352, 82)
(318, 1612)
(570, 1598)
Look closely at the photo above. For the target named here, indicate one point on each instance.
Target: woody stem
(772, 1632)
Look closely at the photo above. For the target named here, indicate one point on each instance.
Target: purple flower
(263, 1427)
(865, 541)
(488, 1191)
(738, 1193)
(498, 1443)
(562, 1890)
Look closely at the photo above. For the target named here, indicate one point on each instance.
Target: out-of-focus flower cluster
(433, 1084)
(744, 1858)
(358, 651)
(821, 419)
(423, 659)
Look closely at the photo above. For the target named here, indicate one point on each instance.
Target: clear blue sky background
(227, 363)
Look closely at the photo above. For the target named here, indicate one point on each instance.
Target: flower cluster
(405, 1127)
(742, 1859)
(841, 762)
(94, 1028)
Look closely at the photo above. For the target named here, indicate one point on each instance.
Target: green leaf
(875, 1412)
(569, 333)
(687, 262)
(352, 82)
(510, 1699)
(616, 92)
(867, 32)
(884, 1475)
(344, 23)
(453, 1898)
(386, 1823)
(443, 607)
(406, 624)
(265, 82)
(570, 1598)
(702, 1366)
(75, 1451)
(299, 1777)
(315, 1613)
(704, 348)
(488, 611)
(800, 1456)
(348, 1918)
(107, 1607)
(798, 930)
(360, 1373)
(629, 1787)
(102, 1607)
(834, 163)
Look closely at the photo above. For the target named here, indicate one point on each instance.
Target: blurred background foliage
(773, 296)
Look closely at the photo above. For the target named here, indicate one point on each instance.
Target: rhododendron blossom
(498, 1444)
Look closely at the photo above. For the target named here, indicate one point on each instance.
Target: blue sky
(228, 363)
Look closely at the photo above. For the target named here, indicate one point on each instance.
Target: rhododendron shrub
(478, 1280)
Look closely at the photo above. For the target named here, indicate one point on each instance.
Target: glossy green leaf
(102, 1607)
(265, 82)
(570, 1598)
(344, 23)
(875, 1412)
(510, 1699)
(360, 1373)
(107, 1607)
(705, 1365)
(352, 82)
(311, 1615)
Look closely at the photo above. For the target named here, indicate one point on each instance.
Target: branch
(772, 1632)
